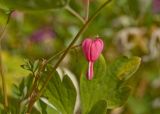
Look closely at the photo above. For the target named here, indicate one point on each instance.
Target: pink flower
(92, 49)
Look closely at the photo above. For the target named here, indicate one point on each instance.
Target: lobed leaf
(46, 108)
(99, 108)
(116, 78)
(89, 89)
(62, 94)
(109, 83)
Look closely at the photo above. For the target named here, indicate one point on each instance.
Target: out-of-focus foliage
(12, 69)
(32, 4)
(128, 27)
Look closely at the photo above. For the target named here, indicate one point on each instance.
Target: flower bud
(92, 49)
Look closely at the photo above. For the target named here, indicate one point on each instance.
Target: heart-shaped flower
(92, 49)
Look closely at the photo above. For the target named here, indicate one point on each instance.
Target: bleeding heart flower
(92, 49)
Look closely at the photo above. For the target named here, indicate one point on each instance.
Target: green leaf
(46, 108)
(116, 78)
(31, 66)
(123, 68)
(28, 65)
(62, 94)
(36, 65)
(109, 83)
(20, 94)
(99, 108)
(31, 5)
(89, 89)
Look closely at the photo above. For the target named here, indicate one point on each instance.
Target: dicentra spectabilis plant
(51, 88)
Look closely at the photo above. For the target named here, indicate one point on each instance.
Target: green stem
(71, 44)
(34, 89)
(4, 89)
(3, 82)
(37, 76)
(35, 84)
(87, 9)
(61, 52)
(73, 12)
(3, 31)
(84, 27)
(78, 35)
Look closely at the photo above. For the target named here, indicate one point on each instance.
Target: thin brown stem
(61, 52)
(5, 26)
(37, 76)
(73, 12)
(71, 44)
(34, 89)
(87, 4)
(84, 27)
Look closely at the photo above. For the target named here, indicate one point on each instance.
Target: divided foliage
(108, 89)
(62, 94)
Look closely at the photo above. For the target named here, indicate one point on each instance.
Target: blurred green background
(128, 27)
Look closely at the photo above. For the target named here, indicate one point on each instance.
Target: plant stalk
(61, 52)
(71, 44)
(87, 4)
(84, 27)
(4, 89)
(73, 12)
